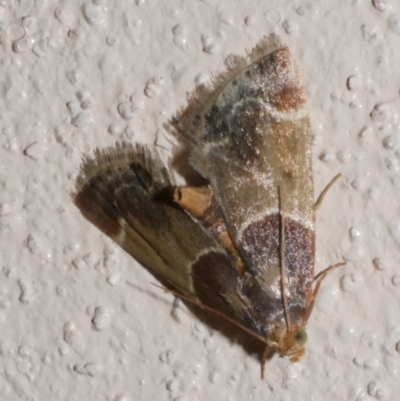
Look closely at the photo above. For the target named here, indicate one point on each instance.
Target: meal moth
(243, 246)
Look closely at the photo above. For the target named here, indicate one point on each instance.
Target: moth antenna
(282, 262)
(318, 279)
(212, 311)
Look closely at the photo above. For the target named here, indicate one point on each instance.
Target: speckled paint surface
(79, 318)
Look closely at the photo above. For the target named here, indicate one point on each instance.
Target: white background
(79, 318)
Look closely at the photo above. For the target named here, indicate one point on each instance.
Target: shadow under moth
(243, 246)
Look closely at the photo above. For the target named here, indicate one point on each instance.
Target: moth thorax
(288, 342)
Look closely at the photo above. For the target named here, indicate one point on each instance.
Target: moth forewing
(250, 136)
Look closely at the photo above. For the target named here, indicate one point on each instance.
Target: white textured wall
(70, 72)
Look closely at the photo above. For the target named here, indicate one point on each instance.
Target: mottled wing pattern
(244, 246)
(249, 135)
(126, 192)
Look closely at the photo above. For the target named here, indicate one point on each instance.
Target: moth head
(288, 342)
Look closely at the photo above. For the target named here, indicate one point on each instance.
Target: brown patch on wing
(288, 93)
(95, 208)
(239, 296)
(260, 247)
(213, 275)
(126, 192)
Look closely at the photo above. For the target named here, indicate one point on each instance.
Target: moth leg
(318, 279)
(325, 191)
(268, 352)
(321, 275)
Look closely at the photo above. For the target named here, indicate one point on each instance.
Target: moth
(243, 246)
